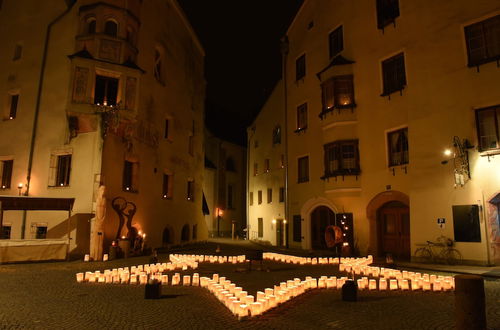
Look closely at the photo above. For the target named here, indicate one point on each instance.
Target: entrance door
(321, 218)
(279, 232)
(394, 229)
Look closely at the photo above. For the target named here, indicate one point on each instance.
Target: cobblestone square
(47, 296)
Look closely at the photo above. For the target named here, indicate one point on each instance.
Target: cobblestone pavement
(47, 296)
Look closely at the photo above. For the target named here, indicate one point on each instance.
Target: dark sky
(243, 61)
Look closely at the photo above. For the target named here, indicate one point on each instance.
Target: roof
(15, 203)
(337, 60)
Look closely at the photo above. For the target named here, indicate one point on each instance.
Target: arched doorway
(393, 222)
(321, 218)
(167, 236)
(185, 233)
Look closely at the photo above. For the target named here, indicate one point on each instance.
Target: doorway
(166, 238)
(321, 218)
(394, 230)
(279, 232)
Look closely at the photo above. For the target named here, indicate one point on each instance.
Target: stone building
(102, 93)
(392, 117)
(224, 187)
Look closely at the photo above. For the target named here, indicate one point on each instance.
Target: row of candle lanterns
(208, 258)
(316, 261)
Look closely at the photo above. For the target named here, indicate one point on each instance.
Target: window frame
(301, 109)
(130, 179)
(259, 197)
(4, 230)
(341, 171)
(385, 14)
(277, 135)
(114, 33)
(404, 160)
(486, 47)
(6, 176)
(306, 177)
(338, 32)
(63, 170)
(331, 92)
(282, 195)
(250, 198)
(496, 119)
(391, 68)
(269, 195)
(300, 67)
(260, 227)
(167, 186)
(13, 105)
(267, 165)
(108, 99)
(190, 191)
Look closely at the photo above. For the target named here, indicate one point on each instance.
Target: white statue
(97, 225)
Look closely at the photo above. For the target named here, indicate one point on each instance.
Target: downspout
(248, 185)
(284, 53)
(37, 105)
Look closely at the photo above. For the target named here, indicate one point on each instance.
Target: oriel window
(106, 91)
(488, 128)
(338, 92)
(91, 23)
(6, 167)
(483, 41)
(393, 74)
(398, 147)
(111, 28)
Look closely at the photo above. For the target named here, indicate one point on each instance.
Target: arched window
(111, 28)
(91, 23)
(157, 65)
(185, 233)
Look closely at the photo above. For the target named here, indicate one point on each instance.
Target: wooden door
(395, 231)
(321, 218)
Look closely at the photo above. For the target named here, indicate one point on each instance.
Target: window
(185, 233)
(91, 23)
(267, 165)
(300, 67)
(303, 172)
(18, 52)
(230, 197)
(111, 28)
(251, 198)
(259, 197)
(190, 190)
(338, 92)
(106, 91)
(130, 176)
(269, 195)
(167, 188)
(488, 126)
(13, 103)
(63, 170)
(387, 11)
(277, 135)
(398, 147)
(157, 66)
(6, 173)
(336, 41)
(167, 130)
(393, 74)
(282, 194)
(483, 41)
(255, 169)
(230, 165)
(260, 223)
(341, 158)
(5, 233)
(282, 161)
(301, 117)
(297, 228)
(41, 232)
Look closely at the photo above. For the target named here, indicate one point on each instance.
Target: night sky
(243, 61)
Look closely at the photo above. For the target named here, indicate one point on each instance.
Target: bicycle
(447, 254)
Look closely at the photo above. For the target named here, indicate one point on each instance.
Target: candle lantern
(372, 285)
(79, 277)
(393, 284)
(86, 258)
(186, 281)
(382, 284)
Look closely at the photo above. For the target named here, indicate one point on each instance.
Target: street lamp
(20, 188)
(219, 214)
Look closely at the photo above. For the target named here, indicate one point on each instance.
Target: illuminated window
(130, 181)
(398, 147)
(260, 225)
(111, 28)
(387, 12)
(13, 104)
(338, 92)
(483, 41)
(6, 173)
(190, 190)
(303, 169)
(301, 117)
(106, 91)
(300, 67)
(393, 74)
(336, 41)
(269, 195)
(341, 158)
(259, 197)
(488, 128)
(167, 187)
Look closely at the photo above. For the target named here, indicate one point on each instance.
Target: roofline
(188, 25)
(296, 15)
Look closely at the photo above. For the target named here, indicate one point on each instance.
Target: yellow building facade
(102, 93)
(374, 94)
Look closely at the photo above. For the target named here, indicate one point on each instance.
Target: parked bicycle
(446, 252)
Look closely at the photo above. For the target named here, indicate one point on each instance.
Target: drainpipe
(69, 5)
(249, 139)
(284, 53)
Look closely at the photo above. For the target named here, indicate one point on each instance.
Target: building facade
(224, 187)
(392, 116)
(266, 173)
(103, 93)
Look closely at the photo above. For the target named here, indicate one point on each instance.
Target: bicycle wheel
(453, 257)
(423, 254)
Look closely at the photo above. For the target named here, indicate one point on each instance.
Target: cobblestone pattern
(47, 296)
